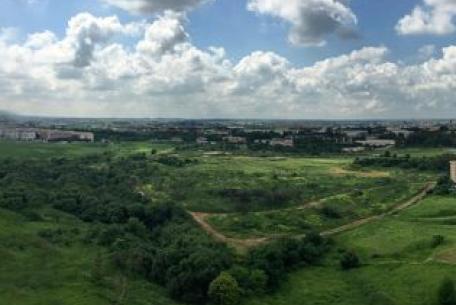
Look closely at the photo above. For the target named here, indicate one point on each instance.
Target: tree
(437, 240)
(250, 281)
(224, 290)
(447, 293)
(349, 261)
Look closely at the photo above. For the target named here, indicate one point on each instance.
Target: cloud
(434, 17)
(154, 6)
(164, 35)
(311, 21)
(85, 32)
(164, 75)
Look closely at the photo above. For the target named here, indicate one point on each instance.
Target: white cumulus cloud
(89, 72)
(432, 17)
(311, 20)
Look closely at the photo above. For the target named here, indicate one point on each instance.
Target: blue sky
(284, 59)
(227, 23)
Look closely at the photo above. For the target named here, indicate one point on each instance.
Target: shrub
(437, 240)
(331, 212)
(349, 261)
(447, 293)
(250, 281)
(224, 290)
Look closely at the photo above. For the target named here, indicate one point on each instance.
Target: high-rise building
(453, 171)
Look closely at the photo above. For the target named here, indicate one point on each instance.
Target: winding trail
(242, 244)
(200, 218)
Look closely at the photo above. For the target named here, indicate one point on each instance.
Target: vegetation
(224, 290)
(349, 261)
(112, 226)
(153, 239)
(447, 292)
(434, 163)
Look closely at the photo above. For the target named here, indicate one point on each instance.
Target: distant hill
(7, 116)
(4, 113)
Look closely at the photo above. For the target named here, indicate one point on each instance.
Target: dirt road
(200, 218)
(355, 224)
(242, 244)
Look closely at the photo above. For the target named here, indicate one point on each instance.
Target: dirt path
(200, 218)
(355, 224)
(242, 244)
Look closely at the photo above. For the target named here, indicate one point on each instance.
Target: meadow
(400, 262)
(242, 197)
(250, 197)
(37, 150)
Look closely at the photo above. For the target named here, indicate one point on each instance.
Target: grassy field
(212, 185)
(400, 264)
(261, 197)
(40, 271)
(35, 150)
(246, 197)
(343, 209)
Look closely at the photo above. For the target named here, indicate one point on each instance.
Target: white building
(453, 171)
(377, 143)
(282, 142)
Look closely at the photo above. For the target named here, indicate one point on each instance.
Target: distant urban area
(284, 136)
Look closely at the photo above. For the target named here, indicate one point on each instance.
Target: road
(243, 244)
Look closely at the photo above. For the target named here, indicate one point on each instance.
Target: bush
(224, 290)
(331, 212)
(251, 281)
(447, 293)
(437, 240)
(349, 261)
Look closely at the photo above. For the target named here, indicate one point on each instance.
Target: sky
(271, 59)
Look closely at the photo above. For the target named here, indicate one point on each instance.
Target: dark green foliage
(446, 293)
(444, 186)
(142, 237)
(273, 197)
(331, 212)
(277, 258)
(349, 260)
(251, 281)
(437, 240)
(59, 236)
(175, 161)
(438, 163)
(224, 290)
(423, 138)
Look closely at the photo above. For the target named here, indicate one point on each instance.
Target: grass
(400, 265)
(345, 207)
(307, 179)
(36, 150)
(40, 272)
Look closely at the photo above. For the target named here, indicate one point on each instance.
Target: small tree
(349, 261)
(437, 240)
(447, 293)
(224, 290)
